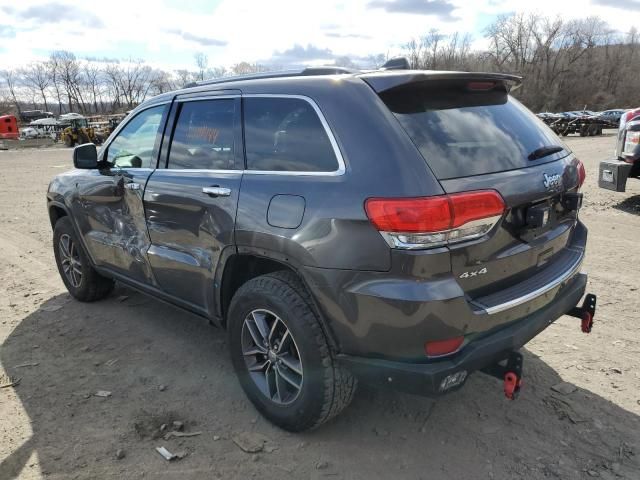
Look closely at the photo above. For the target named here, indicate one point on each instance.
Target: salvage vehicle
(395, 227)
(612, 116)
(613, 174)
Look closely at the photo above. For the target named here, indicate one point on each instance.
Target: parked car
(613, 174)
(400, 228)
(611, 116)
(29, 132)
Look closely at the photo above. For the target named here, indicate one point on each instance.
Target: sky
(167, 33)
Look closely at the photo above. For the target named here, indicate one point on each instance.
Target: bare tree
(244, 68)
(134, 82)
(202, 62)
(11, 80)
(184, 77)
(92, 79)
(56, 82)
(68, 70)
(36, 77)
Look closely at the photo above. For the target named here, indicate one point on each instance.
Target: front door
(191, 204)
(109, 205)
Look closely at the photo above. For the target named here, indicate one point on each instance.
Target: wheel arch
(56, 212)
(247, 264)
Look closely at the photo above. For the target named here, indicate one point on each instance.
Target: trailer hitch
(510, 373)
(585, 313)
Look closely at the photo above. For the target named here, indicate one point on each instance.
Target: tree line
(566, 65)
(65, 83)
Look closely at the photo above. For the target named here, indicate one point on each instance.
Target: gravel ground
(162, 365)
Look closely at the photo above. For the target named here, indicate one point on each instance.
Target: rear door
(474, 136)
(191, 204)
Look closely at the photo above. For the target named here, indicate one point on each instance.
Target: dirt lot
(163, 365)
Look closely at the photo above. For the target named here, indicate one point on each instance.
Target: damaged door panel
(191, 205)
(109, 200)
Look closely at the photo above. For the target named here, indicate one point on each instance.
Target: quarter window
(286, 134)
(204, 136)
(135, 145)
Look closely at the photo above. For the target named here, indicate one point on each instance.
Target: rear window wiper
(544, 151)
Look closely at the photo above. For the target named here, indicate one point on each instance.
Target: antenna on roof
(397, 63)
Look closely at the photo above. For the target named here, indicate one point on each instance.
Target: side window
(285, 134)
(204, 136)
(134, 146)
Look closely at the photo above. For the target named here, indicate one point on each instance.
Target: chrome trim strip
(570, 272)
(197, 170)
(184, 99)
(336, 150)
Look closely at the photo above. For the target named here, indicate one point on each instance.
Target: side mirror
(85, 156)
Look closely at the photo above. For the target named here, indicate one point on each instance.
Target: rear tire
(80, 278)
(322, 389)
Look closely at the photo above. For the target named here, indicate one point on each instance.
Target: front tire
(80, 278)
(281, 355)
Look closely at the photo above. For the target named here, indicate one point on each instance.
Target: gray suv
(401, 228)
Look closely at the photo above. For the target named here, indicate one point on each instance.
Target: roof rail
(279, 74)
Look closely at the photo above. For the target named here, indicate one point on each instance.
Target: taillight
(582, 174)
(631, 142)
(424, 222)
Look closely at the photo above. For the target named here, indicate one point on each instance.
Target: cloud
(54, 12)
(622, 4)
(7, 31)
(299, 54)
(346, 35)
(200, 40)
(439, 8)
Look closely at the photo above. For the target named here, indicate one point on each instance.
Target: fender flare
(287, 262)
(67, 211)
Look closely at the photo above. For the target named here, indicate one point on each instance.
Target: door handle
(132, 186)
(217, 191)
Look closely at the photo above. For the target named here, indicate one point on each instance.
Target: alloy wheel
(70, 260)
(271, 356)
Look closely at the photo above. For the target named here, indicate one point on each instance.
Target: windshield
(462, 133)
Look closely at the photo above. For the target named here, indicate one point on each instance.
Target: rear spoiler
(387, 80)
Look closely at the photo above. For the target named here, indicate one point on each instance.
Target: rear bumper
(390, 315)
(427, 378)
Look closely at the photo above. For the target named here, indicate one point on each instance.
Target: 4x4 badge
(552, 182)
(474, 273)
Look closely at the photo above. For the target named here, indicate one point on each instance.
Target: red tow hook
(585, 313)
(512, 383)
(587, 322)
(510, 373)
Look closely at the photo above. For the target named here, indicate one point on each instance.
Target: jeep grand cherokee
(404, 228)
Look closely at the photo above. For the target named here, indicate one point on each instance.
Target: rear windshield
(462, 133)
